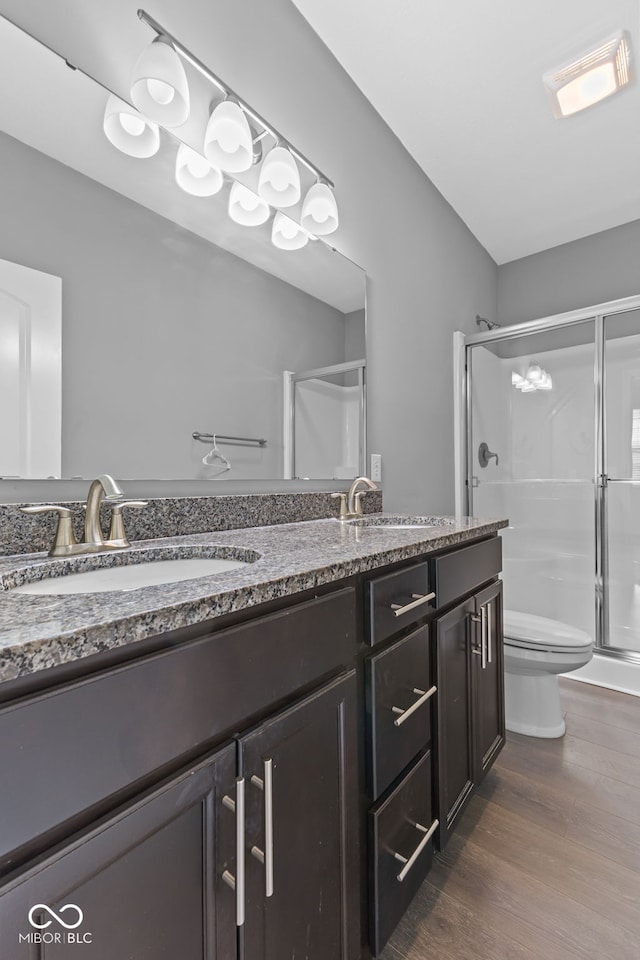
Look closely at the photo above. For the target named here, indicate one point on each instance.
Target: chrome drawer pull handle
(408, 863)
(403, 714)
(418, 599)
(237, 883)
(266, 856)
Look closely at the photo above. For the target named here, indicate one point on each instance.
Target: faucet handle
(64, 539)
(358, 501)
(117, 537)
(344, 512)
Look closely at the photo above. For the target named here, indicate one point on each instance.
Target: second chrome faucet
(103, 489)
(351, 502)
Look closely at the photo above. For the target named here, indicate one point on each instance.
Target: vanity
(259, 763)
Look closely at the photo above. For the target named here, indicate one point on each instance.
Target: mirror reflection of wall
(163, 331)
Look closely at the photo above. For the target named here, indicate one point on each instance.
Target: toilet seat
(531, 632)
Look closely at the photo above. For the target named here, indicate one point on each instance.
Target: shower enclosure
(548, 434)
(325, 422)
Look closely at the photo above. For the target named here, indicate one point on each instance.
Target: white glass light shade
(159, 87)
(286, 234)
(517, 380)
(228, 143)
(279, 180)
(534, 373)
(527, 387)
(319, 210)
(246, 208)
(127, 130)
(195, 175)
(546, 383)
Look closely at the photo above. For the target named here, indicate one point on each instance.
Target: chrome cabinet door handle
(237, 883)
(489, 632)
(483, 637)
(266, 856)
(409, 862)
(403, 714)
(474, 649)
(418, 599)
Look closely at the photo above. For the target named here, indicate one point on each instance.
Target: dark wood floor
(546, 863)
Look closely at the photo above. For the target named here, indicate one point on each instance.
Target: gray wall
(428, 274)
(355, 341)
(163, 333)
(592, 270)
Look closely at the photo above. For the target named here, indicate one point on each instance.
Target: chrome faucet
(351, 502)
(354, 505)
(103, 488)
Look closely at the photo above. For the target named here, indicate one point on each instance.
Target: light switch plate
(376, 466)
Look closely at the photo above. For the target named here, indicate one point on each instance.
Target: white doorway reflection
(30, 372)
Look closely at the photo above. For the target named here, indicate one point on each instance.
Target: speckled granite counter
(38, 632)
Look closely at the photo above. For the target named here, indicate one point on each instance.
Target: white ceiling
(459, 82)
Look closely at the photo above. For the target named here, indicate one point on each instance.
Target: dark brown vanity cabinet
(435, 711)
(255, 844)
(300, 774)
(470, 678)
(148, 880)
(259, 787)
(249, 850)
(399, 701)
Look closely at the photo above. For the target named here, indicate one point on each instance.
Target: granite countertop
(38, 632)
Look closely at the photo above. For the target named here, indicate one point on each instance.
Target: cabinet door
(148, 881)
(455, 742)
(302, 872)
(488, 681)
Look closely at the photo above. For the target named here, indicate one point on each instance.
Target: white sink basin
(130, 576)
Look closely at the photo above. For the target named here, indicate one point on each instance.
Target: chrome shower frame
(462, 364)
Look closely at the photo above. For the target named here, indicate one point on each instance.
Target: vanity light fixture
(159, 87)
(128, 130)
(228, 143)
(195, 175)
(590, 78)
(279, 180)
(320, 210)
(232, 141)
(287, 234)
(246, 207)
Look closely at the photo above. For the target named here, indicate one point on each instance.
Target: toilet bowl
(536, 650)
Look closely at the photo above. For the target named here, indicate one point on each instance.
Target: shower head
(490, 323)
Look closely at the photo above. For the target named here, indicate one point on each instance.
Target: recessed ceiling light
(590, 78)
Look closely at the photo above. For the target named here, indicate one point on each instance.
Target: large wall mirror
(164, 319)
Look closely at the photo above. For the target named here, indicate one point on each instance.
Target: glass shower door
(621, 515)
(531, 458)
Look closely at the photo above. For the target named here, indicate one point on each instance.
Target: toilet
(536, 650)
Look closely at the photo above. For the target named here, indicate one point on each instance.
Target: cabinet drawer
(399, 694)
(397, 600)
(79, 746)
(461, 571)
(401, 849)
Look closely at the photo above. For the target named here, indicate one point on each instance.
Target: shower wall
(327, 419)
